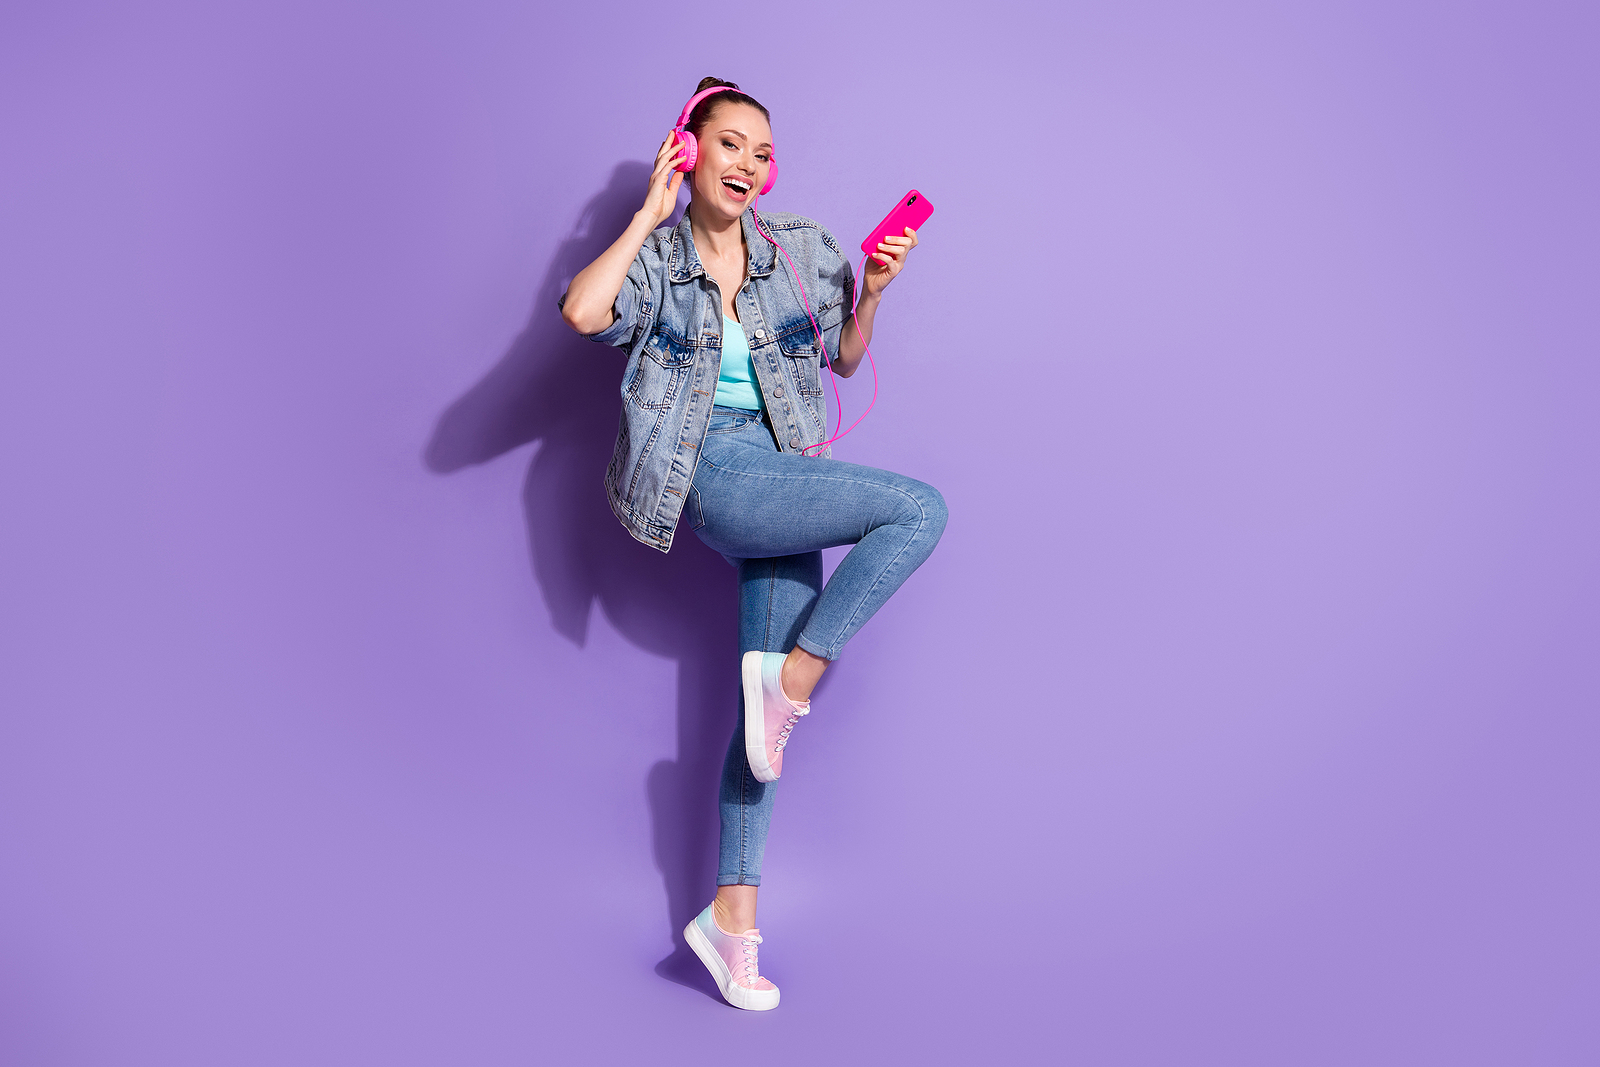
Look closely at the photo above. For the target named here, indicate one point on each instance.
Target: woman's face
(735, 156)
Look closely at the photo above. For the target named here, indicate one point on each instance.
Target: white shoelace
(789, 723)
(751, 970)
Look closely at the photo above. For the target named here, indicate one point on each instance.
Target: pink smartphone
(912, 210)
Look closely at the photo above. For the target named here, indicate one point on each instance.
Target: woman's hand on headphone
(888, 261)
(662, 199)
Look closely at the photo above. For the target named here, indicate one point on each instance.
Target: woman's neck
(723, 239)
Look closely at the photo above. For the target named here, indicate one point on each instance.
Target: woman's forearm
(587, 308)
(851, 348)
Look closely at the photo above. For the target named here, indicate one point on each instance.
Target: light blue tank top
(736, 381)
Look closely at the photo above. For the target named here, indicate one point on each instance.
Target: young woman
(723, 426)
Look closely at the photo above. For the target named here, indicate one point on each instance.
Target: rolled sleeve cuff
(621, 329)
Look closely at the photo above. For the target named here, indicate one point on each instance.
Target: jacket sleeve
(633, 312)
(837, 280)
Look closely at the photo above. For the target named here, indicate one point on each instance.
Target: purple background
(1246, 714)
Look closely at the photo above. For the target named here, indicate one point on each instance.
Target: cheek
(705, 182)
(709, 163)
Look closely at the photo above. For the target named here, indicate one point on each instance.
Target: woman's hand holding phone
(887, 247)
(887, 262)
(886, 251)
(882, 268)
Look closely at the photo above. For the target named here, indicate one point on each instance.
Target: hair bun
(721, 92)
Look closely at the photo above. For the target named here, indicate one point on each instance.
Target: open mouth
(738, 188)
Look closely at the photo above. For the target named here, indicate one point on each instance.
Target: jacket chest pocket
(803, 360)
(659, 378)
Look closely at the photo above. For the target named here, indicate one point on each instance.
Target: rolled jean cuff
(739, 879)
(815, 649)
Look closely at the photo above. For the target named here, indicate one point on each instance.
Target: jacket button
(794, 442)
(760, 334)
(778, 391)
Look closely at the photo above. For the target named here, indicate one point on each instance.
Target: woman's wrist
(867, 306)
(645, 221)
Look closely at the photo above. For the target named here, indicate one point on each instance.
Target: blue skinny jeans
(771, 514)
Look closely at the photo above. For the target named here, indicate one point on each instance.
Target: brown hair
(701, 115)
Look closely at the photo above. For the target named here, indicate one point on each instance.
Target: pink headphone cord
(835, 381)
(822, 345)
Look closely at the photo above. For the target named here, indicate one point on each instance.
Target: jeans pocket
(721, 423)
(697, 517)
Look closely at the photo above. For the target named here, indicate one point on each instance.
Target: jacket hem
(641, 532)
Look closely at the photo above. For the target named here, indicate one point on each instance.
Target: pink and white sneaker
(769, 715)
(731, 959)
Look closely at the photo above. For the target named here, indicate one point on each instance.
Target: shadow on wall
(556, 388)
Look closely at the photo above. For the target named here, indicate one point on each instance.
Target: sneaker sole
(738, 996)
(755, 711)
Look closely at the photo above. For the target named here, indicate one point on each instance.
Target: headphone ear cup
(691, 153)
(772, 178)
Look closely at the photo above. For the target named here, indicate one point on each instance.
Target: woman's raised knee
(931, 510)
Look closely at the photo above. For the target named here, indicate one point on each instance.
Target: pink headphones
(693, 147)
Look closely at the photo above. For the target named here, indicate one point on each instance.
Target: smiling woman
(722, 407)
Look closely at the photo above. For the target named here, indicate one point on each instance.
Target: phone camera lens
(913, 200)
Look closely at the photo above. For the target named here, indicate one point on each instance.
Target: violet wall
(1246, 715)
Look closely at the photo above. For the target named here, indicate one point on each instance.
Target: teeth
(743, 187)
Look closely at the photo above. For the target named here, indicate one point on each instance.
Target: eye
(730, 144)
(763, 156)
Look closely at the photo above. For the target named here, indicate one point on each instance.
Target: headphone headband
(683, 119)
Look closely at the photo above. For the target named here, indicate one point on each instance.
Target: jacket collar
(762, 255)
(685, 264)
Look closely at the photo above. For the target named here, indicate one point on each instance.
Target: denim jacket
(669, 319)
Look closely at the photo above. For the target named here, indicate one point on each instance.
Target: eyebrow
(745, 136)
